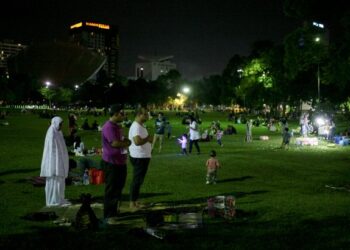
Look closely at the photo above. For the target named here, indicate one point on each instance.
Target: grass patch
(282, 192)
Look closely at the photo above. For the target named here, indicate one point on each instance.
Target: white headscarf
(55, 157)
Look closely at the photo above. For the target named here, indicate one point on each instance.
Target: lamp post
(48, 84)
(318, 82)
(240, 74)
(318, 40)
(186, 93)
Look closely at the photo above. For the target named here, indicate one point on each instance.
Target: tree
(232, 76)
(48, 94)
(170, 83)
(63, 96)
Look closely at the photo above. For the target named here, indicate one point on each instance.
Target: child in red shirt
(212, 166)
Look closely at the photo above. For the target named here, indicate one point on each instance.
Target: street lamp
(318, 40)
(48, 84)
(186, 90)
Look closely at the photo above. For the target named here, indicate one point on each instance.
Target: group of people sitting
(86, 125)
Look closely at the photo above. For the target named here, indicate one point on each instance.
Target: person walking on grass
(219, 134)
(286, 138)
(248, 131)
(183, 143)
(55, 164)
(194, 135)
(212, 167)
(160, 125)
(140, 155)
(114, 158)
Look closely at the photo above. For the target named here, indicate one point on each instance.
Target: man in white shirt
(140, 154)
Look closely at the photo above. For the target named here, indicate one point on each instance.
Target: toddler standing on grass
(286, 138)
(212, 166)
(219, 135)
(183, 142)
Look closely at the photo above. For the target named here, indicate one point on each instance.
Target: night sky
(201, 35)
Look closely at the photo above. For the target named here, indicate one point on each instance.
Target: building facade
(8, 48)
(150, 68)
(103, 38)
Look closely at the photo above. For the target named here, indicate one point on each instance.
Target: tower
(103, 38)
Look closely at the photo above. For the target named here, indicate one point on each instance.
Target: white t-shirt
(143, 151)
(194, 131)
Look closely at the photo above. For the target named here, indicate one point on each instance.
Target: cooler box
(96, 176)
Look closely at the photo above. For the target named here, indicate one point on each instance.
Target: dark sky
(201, 35)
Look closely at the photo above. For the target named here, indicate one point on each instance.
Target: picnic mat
(128, 217)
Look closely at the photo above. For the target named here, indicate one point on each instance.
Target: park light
(48, 84)
(320, 121)
(317, 39)
(240, 72)
(76, 86)
(186, 90)
(110, 84)
(318, 25)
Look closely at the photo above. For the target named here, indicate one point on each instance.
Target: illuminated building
(103, 38)
(8, 49)
(150, 68)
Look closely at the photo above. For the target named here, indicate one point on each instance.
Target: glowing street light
(49, 96)
(319, 25)
(76, 86)
(186, 90)
(48, 84)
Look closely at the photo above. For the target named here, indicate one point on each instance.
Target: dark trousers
(115, 177)
(140, 166)
(184, 151)
(195, 142)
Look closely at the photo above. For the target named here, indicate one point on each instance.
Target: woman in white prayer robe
(54, 165)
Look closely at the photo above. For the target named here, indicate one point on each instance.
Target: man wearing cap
(114, 158)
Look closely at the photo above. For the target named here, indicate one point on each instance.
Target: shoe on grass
(136, 205)
(112, 221)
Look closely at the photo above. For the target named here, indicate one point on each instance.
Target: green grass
(282, 192)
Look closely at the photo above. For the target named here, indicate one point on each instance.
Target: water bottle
(86, 177)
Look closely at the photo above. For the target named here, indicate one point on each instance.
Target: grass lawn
(282, 193)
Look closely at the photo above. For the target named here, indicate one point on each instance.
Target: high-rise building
(8, 48)
(150, 68)
(103, 38)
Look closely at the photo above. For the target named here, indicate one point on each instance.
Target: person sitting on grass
(85, 125)
(78, 146)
